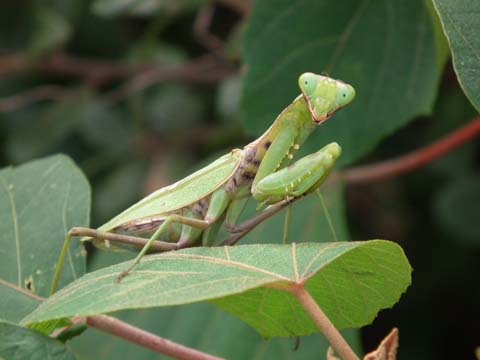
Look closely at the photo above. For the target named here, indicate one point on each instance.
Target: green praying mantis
(177, 216)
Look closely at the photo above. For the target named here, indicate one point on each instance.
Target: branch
(413, 160)
(202, 32)
(204, 69)
(100, 72)
(43, 92)
(324, 324)
(145, 339)
(95, 72)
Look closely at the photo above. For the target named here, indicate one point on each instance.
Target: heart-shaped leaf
(39, 202)
(351, 281)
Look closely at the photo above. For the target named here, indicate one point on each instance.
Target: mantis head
(324, 95)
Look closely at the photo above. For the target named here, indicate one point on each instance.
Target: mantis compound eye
(345, 95)
(307, 83)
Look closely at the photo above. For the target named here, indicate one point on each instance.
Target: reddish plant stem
(324, 324)
(413, 160)
(145, 339)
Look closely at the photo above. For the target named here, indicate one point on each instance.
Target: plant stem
(324, 324)
(146, 339)
(413, 160)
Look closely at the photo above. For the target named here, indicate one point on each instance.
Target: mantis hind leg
(192, 223)
(107, 236)
(193, 226)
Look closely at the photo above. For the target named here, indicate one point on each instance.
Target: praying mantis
(177, 216)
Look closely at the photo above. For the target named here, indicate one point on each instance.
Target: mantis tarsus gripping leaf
(178, 215)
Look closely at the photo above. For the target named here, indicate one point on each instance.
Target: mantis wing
(182, 193)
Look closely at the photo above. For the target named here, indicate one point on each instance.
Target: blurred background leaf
(50, 31)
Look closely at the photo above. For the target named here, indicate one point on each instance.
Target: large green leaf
(17, 343)
(462, 27)
(39, 202)
(386, 49)
(351, 281)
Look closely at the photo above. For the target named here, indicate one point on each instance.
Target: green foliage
(39, 202)
(461, 25)
(23, 344)
(220, 333)
(345, 278)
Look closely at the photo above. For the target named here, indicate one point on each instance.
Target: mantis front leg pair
(197, 205)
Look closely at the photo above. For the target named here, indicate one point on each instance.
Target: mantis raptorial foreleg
(285, 186)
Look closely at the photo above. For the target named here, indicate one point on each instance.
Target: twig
(204, 69)
(97, 73)
(413, 160)
(44, 92)
(202, 32)
(324, 324)
(94, 72)
(146, 339)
